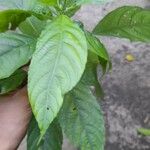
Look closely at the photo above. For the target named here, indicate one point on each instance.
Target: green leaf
(36, 8)
(13, 82)
(43, 10)
(145, 132)
(51, 141)
(15, 51)
(127, 22)
(65, 7)
(49, 2)
(96, 47)
(71, 11)
(32, 26)
(19, 4)
(90, 76)
(33, 135)
(61, 57)
(79, 2)
(10, 19)
(69, 7)
(81, 119)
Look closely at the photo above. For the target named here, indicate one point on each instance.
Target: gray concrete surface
(126, 104)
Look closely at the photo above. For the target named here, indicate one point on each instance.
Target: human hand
(15, 115)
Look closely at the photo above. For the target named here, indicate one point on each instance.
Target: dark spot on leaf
(74, 108)
(47, 108)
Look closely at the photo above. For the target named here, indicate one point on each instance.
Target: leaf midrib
(33, 27)
(60, 45)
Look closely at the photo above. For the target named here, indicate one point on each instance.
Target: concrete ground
(126, 104)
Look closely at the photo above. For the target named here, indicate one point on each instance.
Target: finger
(15, 113)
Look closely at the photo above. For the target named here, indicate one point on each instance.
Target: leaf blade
(32, 26)
(13, 82)
(96, 47)
(15, 51)
(144, 131)
(56, 49)
(10, 19)
(19, 4)
(81, 119)
(90, 76)
(80, 2)
(51, 141)
(49, 2)
(126, 22)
